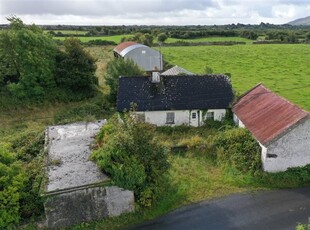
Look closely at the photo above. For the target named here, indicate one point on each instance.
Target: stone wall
(86, 204)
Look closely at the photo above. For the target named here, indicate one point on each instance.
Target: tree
(308, 37)
(116, 68)
(75, 69)
(146, 39)
(162, 37)
(27, 60)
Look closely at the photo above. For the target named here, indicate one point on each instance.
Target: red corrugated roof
(266, 114)
(119, 48)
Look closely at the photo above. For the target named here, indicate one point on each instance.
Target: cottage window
(194, 115)
(210, 115)
(170, 118)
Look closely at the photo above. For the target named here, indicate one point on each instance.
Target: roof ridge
(250, 90)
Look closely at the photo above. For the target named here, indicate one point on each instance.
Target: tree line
(33, 67)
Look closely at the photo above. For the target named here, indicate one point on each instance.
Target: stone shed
(281, 128)
(76, 190)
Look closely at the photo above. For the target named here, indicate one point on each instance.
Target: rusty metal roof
(267, 115)
(119, 48)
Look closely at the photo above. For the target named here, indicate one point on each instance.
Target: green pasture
(114, 38)
(211, 39)
(285, 69)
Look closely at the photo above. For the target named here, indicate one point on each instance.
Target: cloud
(154, 12)
(99, 7)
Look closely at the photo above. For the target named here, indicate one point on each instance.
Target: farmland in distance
(285, 69)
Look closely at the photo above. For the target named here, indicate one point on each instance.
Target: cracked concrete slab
(69, 150)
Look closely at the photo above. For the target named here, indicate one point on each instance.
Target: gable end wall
(292, 150)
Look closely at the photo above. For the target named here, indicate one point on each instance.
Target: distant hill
(300, 22)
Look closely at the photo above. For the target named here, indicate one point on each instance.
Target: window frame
(170, 118)
(210, 117)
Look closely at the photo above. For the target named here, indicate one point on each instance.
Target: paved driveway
(281, 209)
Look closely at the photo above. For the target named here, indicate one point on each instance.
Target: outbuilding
(176, 70)
(281, 128)
(146, 58)
(176, 100)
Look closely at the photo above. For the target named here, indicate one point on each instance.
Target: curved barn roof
(125, 47)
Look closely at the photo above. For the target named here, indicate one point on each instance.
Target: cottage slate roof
(176, 70)
(175, 93)
(266, 115)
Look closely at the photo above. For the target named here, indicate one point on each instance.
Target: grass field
(285, 69)
(114, 38)
(211, 39)
(103, 54)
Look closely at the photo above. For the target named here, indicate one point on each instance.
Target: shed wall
(292, 150)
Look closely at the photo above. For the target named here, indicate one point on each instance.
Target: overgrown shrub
(176, 129)
(29, 148)
(303, 226)
(12, 181)
(28, 145)
(291, 178)
(131, 157)
(238, 148)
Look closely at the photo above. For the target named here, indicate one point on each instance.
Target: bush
(99, 42)
(131, 157)
(303, 226)
(29, 148)
(238, 148)
(12, 180)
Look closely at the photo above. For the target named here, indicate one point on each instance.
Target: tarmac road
(280, 209)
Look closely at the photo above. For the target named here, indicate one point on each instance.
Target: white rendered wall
(238, 122)
(292, 150)
(219, 114)
(182, 117)
(159, 118)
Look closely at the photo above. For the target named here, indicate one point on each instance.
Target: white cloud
(154, 12)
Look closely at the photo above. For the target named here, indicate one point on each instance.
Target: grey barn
(145, 57)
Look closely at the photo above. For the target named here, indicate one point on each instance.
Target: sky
(153, 12)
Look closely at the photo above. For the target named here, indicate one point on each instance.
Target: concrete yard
(76, 189)
(68, 152)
